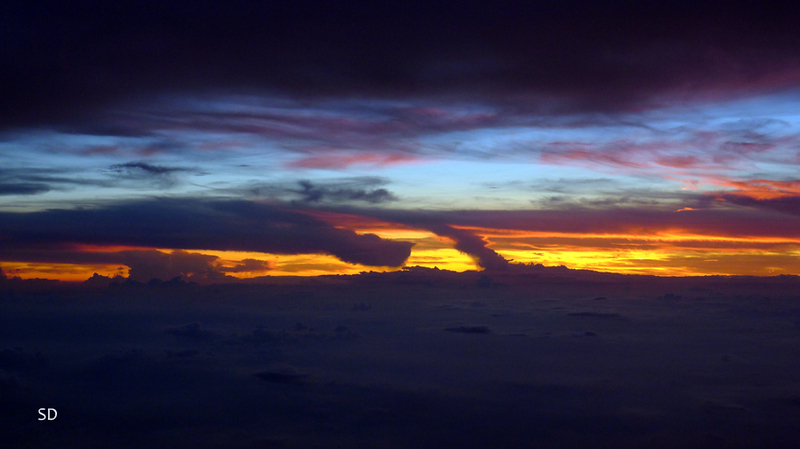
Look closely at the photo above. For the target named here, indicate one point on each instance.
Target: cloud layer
(546, 56)
(198, 224)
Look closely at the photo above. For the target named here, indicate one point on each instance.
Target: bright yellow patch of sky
(60, 271)
(665, 254)
(429, 251)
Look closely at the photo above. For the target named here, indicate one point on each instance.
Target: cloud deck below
(433, 362)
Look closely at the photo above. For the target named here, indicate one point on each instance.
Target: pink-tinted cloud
(697, 159)
(680, 161)
(764, 194)
(341, 161)
(760, 189)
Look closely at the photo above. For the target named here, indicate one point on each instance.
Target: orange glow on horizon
(429, 250)
(668, 253)
(671, 252)
(673, 235)
(65, 272)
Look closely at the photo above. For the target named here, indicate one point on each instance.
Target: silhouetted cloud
(440, 223)
(597, 227)
(642, 221)
(145, 265)
(192, 223)
(473, 245)
(787, 205)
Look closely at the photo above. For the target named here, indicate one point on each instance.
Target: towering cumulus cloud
(150, 264)
(199, 224)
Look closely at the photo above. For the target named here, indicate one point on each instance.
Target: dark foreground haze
(421, 358)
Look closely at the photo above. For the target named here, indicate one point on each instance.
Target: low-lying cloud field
(548, 363)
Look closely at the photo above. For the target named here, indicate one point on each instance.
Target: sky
(225, 140)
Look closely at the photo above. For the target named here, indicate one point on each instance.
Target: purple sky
(235, 126)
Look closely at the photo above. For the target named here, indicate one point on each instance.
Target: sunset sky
(221, 140)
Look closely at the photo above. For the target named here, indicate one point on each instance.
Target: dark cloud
(146, 265)
(36, 180)
(717, 218)
(440, 223)
(33, 181)
(141, 171)
(198, 224)
(250, 226)
(787, 205)
(143, 167)
(641, 221)
(62, 62)
(377, 128)
(58, 253)
(317, 193)
(23, 189)
(352, 190)
(471, 244)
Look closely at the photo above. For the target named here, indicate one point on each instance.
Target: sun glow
(66, 272)
(669, 252)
